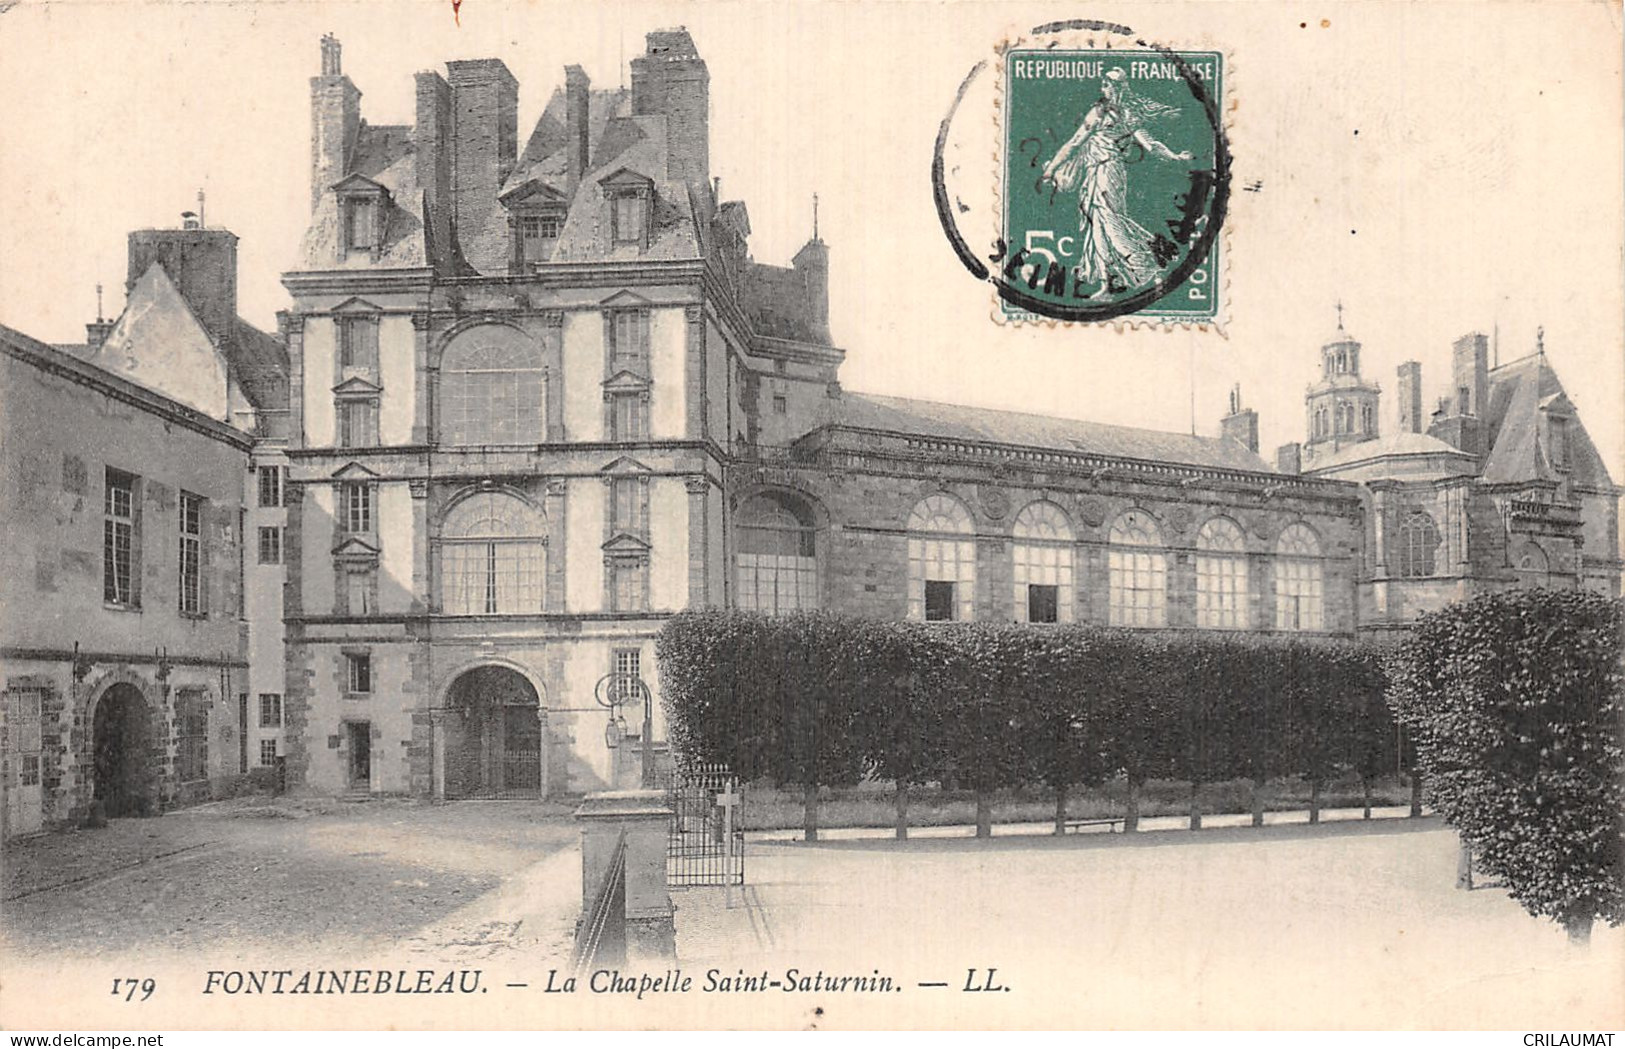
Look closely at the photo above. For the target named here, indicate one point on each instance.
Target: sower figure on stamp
(1116, 251)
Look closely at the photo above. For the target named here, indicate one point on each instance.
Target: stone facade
(74, 643)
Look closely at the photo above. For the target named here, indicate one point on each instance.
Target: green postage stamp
(1115, 179)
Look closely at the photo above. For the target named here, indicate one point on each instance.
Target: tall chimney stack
(431, 139)
(335, 122)
(671, 79)
(1410, 397)
(485, 134)
(1241, 424)
(577, 96)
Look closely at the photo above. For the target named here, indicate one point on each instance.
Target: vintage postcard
(810, 514)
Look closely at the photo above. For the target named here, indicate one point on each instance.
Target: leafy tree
(1514, 703)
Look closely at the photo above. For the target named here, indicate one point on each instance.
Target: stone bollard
(650, 932)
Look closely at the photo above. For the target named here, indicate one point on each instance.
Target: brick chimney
(1462, 424)
(485, 135)
(335, 121)
(1289, 458)
(577, 94)
(203, 265)
(1410, 397)
(1241, 424)
(431, 141)
(670, 78)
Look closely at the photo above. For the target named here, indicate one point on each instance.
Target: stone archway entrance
(121, 741)
(495, 740)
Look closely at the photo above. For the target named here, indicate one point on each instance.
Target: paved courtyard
(289, 878)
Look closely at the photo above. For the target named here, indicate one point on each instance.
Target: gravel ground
(1344, 925)
(283, 877)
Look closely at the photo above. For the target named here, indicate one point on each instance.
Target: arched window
(1532, 565)
(492, 557)
(777, 562)
(1137, 571)
(1418, 538)
(1043, 564)
(1221, 576)
(492, 388)
(941, 560)
(1368, 420)
(1298, 580)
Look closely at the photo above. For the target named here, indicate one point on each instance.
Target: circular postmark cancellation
(1114, 177)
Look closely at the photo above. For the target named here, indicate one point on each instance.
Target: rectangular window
(628, 508)
(536, 233)
(358, 672)
(358, 593)
(939, 601)
(360, 224)
(1043, 603)
(629, 218)
(191, 735)
(271, 545)
(23, 715)
(629, 418)
(270, 710)
(629, 332)
(267, 752)
(781, 405)
(626, 585)
(935, 564)
(358, 424)
(270, 478)
(118, 539)
(355, 508)
(1559, 428)
(191, 554)
(358, 346)
(775, 583)
(1298, 595)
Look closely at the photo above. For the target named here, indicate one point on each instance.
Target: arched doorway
(495, 741)
(121, 739)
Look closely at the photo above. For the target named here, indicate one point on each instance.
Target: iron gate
(706, 842)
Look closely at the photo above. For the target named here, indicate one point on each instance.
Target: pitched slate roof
(959, 422)
(386, 155)
(1517, 440)
(776, 300)
(1403, 443)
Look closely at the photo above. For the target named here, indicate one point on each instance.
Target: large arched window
(1137, 569)
(1532, 565)
(941, 560)
(1043, 564)
(1418, 538)
(492, 388)
(493, 560)
(1221, 576)
(1298, 580)
(777, 560)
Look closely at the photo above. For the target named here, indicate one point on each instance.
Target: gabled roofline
(29, 350)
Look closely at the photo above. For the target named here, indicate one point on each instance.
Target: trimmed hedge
(822, 699)
(1516, 703)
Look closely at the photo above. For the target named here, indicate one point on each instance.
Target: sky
(1439, 168)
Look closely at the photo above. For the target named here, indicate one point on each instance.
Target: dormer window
(1557, 430)
(631, 199)
(631, 218)
(360, 224)
(538, 232)
(362, 206)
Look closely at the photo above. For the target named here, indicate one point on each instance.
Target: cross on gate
(727, 800)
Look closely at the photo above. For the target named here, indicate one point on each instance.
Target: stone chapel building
(532, 396)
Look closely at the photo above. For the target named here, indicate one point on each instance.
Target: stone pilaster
(422, 570)
(557, 507)
(553, 352)
(694, 372)
(293, 326)
(699, 490)
(421, 428)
